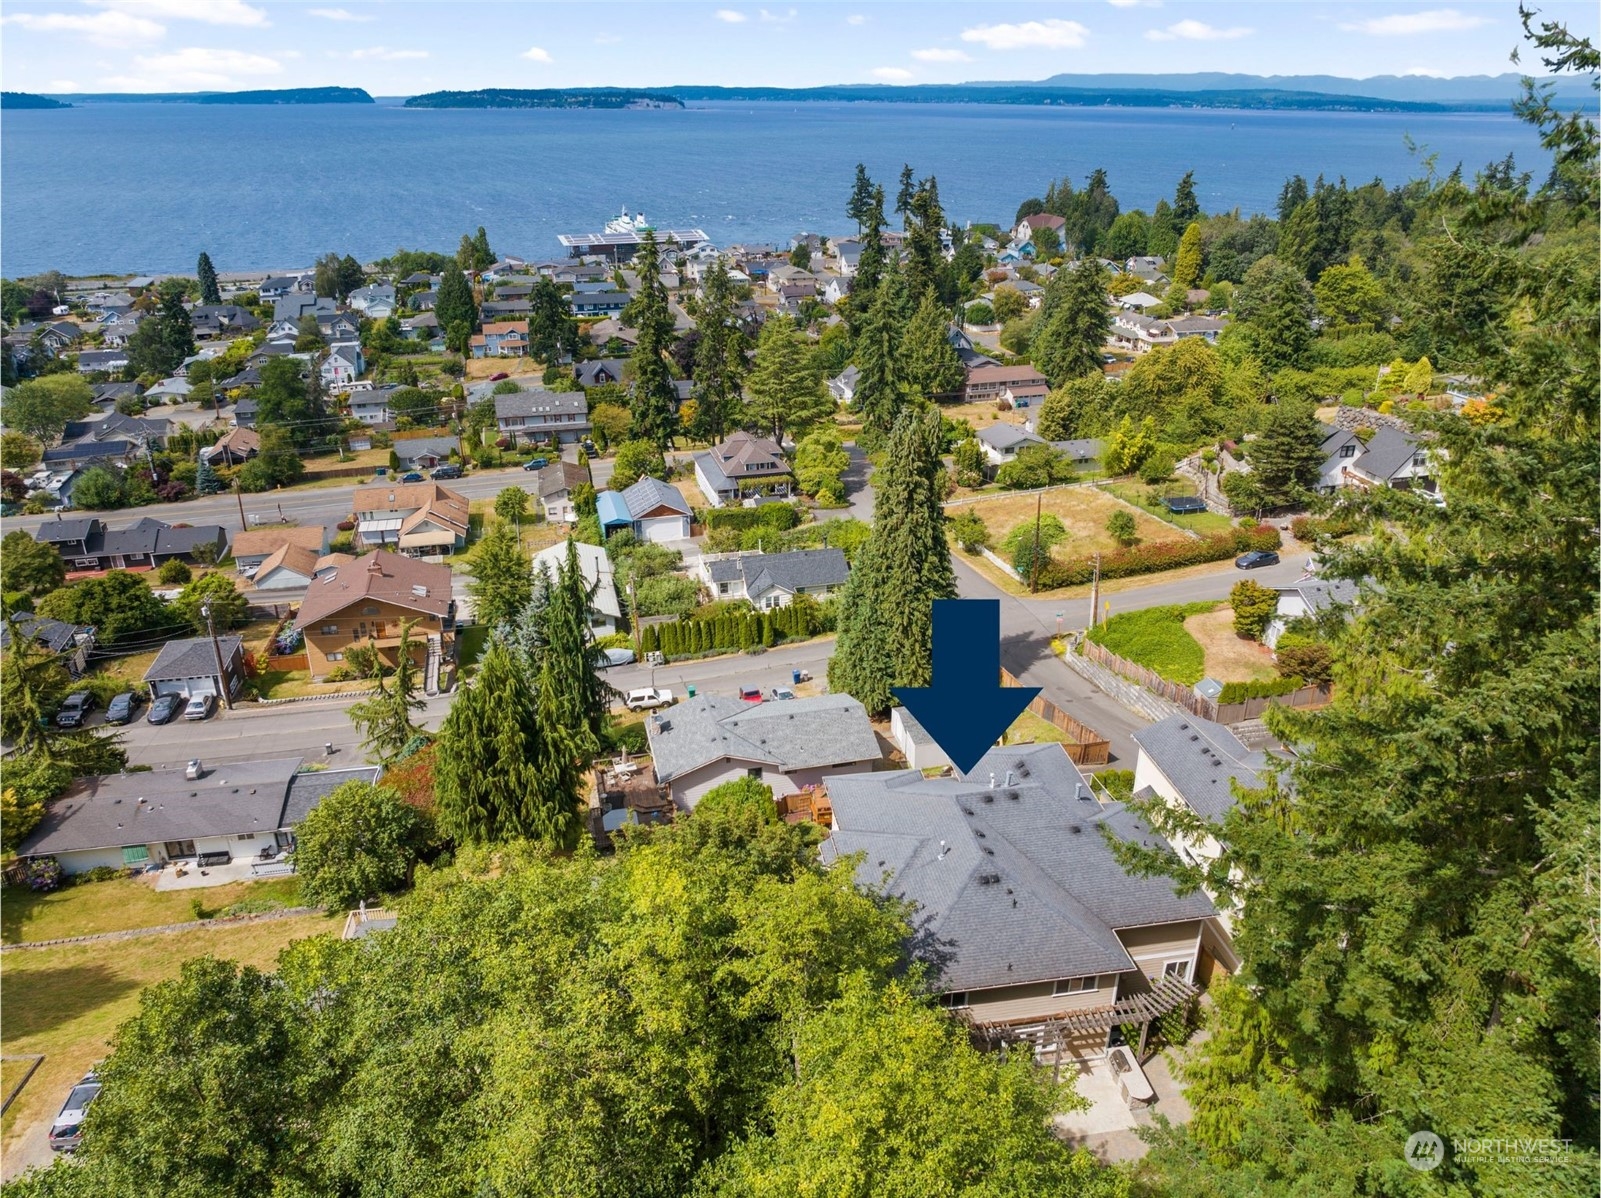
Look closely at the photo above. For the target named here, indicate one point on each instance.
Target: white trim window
(1177, 969)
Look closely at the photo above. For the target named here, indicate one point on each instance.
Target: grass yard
(66, 1002)
(1229, 657)
(122, 904)
(983, 413)
(1149, 499)
(367, 459)
(1158, 639)
(522, 369)
(1029, 728)
(1083, 511)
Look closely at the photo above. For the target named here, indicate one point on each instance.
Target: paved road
(725, 675)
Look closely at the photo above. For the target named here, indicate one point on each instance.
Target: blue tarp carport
(613, 512)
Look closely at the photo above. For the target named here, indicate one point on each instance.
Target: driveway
(725, 675)
(858, 490)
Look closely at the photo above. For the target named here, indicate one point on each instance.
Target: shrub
(346, 526)
(970, 531)
(1310, 661)
(44, 874)
(174, 572)
(781, 517)
(359, 842)
(625, 737)
(1259, 688)
(1254, 607)
(1121, 528)
(741, 798)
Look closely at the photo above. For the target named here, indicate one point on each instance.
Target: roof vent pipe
(943, 849)
(992, 782)
(1008, 777)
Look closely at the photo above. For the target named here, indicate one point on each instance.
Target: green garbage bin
(691, 692)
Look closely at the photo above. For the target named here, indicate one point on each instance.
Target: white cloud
(938, 55)
(778, 18)
(731, 17)
(339, 14)
(63, 85)
(194, 66)
(1030, 35)
(1135, 3)
(113, 29)
(1197, 31)
(537, 54)
(209, 12)
(1437, 20)
(856, 18)
(892, 74)
(383, 54)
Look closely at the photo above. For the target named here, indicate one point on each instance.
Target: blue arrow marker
(967, 709)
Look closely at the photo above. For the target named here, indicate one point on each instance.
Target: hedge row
(1155, 556)
(1261, 688)
(734, 630)
(779, 516)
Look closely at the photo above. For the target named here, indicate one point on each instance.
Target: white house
(604, 609)
(343, 365)
(769, 580)
(1308, 597)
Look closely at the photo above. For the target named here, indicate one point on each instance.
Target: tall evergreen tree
(1074, 323)
(1186, 208)
(1274, 307)
(385, 719)
(1286, 457)
(861, 198)
(886, 614)
(206, 480)
(881, 388)
(1291, 196)
(455, 305)
(870, 265)
(206, 274)
(495, 777)
(552, 327)
(502, 584)
(161, 343)
(1187, 267)
(904, 194)
(719, 358)
(926, 268)
(787, 394)
(654, 398)
(483, 256)
(568, 660)
(928, 359)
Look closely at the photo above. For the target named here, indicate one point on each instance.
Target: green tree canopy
(655, 399)
(206, 274)
(1286, 457)
(928, 359)
(1073, 324)
(42, 407)
(636, 460)
(501, 584)
(29, 566)
(359, 843)
(214, 592)
(118, 604)
(786, 393)
(552, 327)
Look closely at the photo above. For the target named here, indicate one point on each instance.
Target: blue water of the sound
(145, 187)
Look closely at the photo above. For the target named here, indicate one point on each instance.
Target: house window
(336, 657)
(1177, 969)
(369, 611)
(245, 836)
(755, 772)
(722, 588)
(954, 1000)
(1074, 985)
(1348, 451)
(329, 630)
(86, 563)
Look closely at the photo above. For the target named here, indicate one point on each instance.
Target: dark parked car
(498, 375)
(200, 707)
(535, 463)
(447, 471)
(164, 708)
(66, 1133)
(412, 477)
(1255, 558)
(74, 708)
(124, 707)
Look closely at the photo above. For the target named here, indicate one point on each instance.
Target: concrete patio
(1108, 1128)
(240, 869)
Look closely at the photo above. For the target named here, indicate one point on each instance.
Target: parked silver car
(66, 1133)
(200, 707)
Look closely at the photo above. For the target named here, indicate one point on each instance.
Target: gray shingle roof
(50, 634)
(792, 735)
(1319, 596)
(788, 571)
(57, 532)
(1388, 451)
(1013, 884)
(136, 538)
(1002, 437)
(648, 494)
(184, 540)
(1201, 759)
(540, 403)
(105, 812)
(193, 657)
(306, 790)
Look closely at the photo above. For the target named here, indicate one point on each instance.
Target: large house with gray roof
(651, 509)
(1030, 928)
(560, 417)
(790, 745)
(1390, 458)
(247, 810)
(742, 465)
(769, 580)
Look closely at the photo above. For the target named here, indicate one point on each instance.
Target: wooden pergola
(1167, 994)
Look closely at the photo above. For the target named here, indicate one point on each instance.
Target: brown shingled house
(419, 519)
(366, 600)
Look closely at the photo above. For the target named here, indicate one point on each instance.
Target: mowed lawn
(65, 1002)
(123, 904)
(1083, 511)
(1229, 656)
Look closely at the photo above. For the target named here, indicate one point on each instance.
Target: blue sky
(399, 47)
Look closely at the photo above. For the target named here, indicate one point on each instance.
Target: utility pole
(1095, 591)
(1034, 560)
(633, 618)
(216, 649)
(239, 495)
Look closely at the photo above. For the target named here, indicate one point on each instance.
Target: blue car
(413, 477)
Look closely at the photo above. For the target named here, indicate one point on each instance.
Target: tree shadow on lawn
(38, 1001)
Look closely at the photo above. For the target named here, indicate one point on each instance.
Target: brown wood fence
(1087, 746)
(291, 661)
(1200, 705)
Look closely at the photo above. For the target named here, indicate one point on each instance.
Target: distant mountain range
(1381, 93)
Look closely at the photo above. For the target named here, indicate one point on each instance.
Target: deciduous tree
(358, 844)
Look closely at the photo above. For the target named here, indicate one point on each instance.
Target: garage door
(663, 529)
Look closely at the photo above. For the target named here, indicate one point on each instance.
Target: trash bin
(794, 677)
(691, 691)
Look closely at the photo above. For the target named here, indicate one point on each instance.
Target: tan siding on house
(357, 628)
(1034, 1001)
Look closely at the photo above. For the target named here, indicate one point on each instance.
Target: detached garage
(189, 667)
(651, 509)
